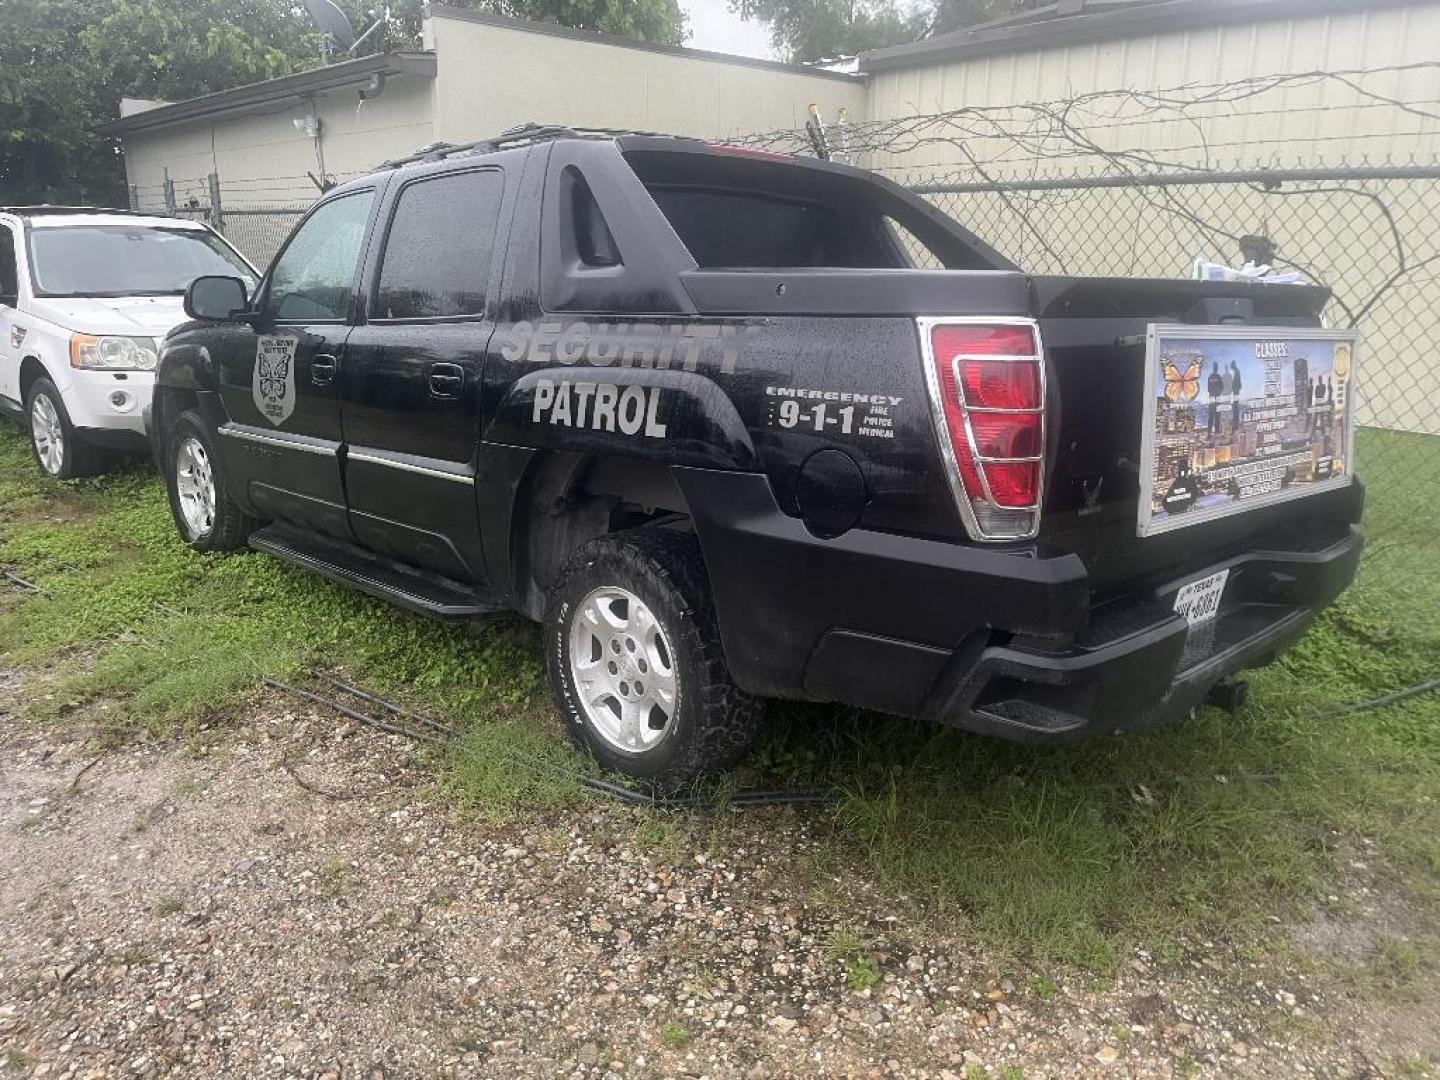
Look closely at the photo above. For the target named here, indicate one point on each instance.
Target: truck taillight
(987, 385)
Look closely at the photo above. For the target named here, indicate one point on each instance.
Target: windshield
(127, 260)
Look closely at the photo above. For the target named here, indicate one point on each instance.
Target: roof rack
(520, 135)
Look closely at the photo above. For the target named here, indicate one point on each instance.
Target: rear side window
(736, 211)
(9, 282)
(743, 229)
(437, 256)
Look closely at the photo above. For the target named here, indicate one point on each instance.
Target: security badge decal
(17, 336)
(273, 386)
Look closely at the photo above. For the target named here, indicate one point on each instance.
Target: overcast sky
(713, 27)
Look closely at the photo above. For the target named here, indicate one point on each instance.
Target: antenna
(336, 34)
(815, 129)
(382, 19)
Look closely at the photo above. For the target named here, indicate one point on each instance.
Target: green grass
(1054, 854)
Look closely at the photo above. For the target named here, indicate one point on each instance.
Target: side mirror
(215, 299)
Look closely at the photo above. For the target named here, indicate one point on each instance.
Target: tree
(48, 102)
(178, 49)
(803, 31)
(807, 30)
(661, 21)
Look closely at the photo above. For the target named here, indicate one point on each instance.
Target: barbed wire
(1071, 126)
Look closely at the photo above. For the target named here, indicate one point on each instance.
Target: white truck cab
(86, 296)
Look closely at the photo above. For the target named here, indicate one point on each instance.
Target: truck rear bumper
(998, 642)
(1141, 665)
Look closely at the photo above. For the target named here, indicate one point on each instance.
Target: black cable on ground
(753, 797)
(345, 710)
(1387, 699)
(389, 706)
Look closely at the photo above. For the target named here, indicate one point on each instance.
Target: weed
(169, 905)
(674, 1034)
(16, 1059)
(1410, 1068)
(853, 950)
(136, 954)
(1044, 987)
(188, 786)
(661, 836)
(336, 876)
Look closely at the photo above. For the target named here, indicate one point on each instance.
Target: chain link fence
(255, 216)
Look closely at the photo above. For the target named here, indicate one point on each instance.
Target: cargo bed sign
(1238, 417)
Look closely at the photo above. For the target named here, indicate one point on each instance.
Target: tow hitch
(1229, 694)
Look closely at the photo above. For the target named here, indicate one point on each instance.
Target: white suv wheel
(48, 433)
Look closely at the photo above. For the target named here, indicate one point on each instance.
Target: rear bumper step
(425, 594)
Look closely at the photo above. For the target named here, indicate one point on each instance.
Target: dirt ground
(294, 898)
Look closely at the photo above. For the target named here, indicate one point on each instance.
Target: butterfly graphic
(273, 371)
(1181, 386)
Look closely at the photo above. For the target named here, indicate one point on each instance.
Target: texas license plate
(1200, 600)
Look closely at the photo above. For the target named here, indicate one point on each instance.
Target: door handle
(446, 380)
(322, 369)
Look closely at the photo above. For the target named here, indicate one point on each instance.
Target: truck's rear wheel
(635, 661)
(200, 502)
(59, 449)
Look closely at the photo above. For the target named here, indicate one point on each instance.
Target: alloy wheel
(623, 669)
(195, 488)
(48, 433)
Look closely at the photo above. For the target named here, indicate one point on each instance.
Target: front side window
(437, 257)
(127, 260)
(313, 280)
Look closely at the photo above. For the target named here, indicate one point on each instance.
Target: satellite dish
(333, 24)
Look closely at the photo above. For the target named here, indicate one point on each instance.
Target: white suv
(85, 298)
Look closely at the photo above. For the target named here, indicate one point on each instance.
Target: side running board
(406, 587)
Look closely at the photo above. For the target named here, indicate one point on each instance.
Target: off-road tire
(714, 721)
(231, 527)
(79, 458)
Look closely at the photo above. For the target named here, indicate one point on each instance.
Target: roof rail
(520, 135)
(45, 208)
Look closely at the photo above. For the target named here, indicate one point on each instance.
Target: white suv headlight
(112, 353)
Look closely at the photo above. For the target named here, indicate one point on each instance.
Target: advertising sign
(1238, 417)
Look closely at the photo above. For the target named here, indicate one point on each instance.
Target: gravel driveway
(296, 899)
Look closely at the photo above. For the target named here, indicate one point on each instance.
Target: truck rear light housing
(986, 379)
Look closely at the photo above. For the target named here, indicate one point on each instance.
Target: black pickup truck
(736, 426)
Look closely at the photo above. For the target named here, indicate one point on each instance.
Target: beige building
(480, 74)
(270, 143)
(1250, 67)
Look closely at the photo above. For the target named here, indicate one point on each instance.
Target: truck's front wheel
(635, 661)
(200, 501)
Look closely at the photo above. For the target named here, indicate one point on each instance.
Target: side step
(403, 586)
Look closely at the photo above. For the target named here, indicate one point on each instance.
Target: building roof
(301, 85)
(1071, 22)
(441, 11)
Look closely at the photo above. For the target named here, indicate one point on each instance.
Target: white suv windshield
(126, 260)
